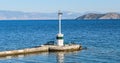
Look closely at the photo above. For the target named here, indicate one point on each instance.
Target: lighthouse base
(60, 40)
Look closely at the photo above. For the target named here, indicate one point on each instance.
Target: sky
(64, 5)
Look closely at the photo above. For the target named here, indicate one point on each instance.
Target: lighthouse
(60, 40)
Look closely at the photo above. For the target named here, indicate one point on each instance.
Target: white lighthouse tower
(60, 40)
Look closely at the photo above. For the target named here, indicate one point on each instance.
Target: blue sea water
(101, 37)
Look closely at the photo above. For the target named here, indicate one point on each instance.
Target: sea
(100, 40)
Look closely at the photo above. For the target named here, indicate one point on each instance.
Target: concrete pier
(44, 48)
(24, 51)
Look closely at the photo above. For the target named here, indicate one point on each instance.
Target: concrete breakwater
(44, 48)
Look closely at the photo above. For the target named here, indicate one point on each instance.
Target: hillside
(93, 16)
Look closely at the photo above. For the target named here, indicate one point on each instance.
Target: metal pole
(59, 17)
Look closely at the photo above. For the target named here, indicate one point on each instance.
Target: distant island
(96, 16)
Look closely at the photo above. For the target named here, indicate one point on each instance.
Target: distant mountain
(93, 16)
(17, 15)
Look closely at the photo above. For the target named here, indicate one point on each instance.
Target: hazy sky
(64, 5)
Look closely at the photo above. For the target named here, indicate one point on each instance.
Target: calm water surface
(101, 37)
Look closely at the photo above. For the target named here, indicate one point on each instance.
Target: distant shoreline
(66, 20)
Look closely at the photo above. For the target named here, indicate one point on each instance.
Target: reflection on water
(60, 57)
